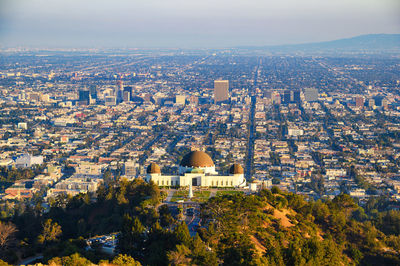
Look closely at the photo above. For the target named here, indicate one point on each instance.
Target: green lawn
(228, 192)
(201, 196)
(198, 196)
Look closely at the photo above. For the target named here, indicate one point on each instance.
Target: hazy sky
(190, 23)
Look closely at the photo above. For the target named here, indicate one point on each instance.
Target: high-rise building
(310, 94)
(180, 99)
(359, 101)
(126, 96)
(221, 90)
(110, 100)
(93, 92)
(276, 98)
(84, 97)
(296, 96)
(194, 100)
(371, 103)
(378, 100)
(119, 91)
(385, 104)
(287, 97)
(128, 89)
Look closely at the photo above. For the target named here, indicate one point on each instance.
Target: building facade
(221, 90)
(197, 169)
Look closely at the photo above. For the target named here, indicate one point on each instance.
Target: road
(250, 145)
(30, 260)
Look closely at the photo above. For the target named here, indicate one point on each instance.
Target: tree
(3, 263)
(200, 254)
(123, 259)
(7, 231)
(51, 232)
(73, 260)
(179, 256)
(182, 234)
(131, 237)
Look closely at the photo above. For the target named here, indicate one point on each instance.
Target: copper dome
(153, 168)
(236, 169)
(197, 159)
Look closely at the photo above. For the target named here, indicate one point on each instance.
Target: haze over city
(199, 132)
(190, 24)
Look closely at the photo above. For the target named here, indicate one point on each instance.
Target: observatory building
(197, 169)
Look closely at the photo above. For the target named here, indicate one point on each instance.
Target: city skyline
(190, 24)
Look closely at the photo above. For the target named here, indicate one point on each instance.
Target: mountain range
(371, 43)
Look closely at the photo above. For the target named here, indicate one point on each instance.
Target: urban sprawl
(317, 126)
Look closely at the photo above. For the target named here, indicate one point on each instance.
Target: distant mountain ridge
(362, 43)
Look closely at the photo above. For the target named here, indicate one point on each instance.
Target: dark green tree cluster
(161, 246)
(61, 231)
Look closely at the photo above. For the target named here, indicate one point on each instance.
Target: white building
(86, 168)
(22, 125)
(295, 132)
(130, 169)
(75, 185)
(197, 169)
(27, 160)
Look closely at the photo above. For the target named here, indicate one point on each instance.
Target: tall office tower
(359, 101)
(84, 97)
(371, 103)
(119, 91)
(194, 100)
(276, 98)
(128, 89)
(385, 104)
(180, 99)
(378, 100)
(221, 90)
(126, 96)
(287, 97)
(296, 96)
(310, 94)
(110, 101)
(93, 91)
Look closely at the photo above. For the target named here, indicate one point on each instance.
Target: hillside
(283, 229)
(268, 228)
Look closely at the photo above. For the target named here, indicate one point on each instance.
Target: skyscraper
(127, 96)
(119, 91)
(84, 97)
(276, 98)
(296, 96)
(286, 97)
(93, 91)
(378, 100)
(128, 89)
(221, 90)
(311, 94)
(359, 101)
(180, 99)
